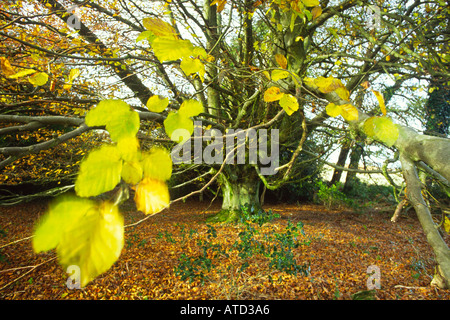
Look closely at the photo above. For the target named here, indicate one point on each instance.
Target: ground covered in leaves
(305, 252)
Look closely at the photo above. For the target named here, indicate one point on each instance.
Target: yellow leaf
(273, 94)
(190, 108)
(132, 172)
(333, 110)
(327, 85)
(380, 101)
(159, 28)
(446, 224)
(382, 129)
(22, 73)
(38, 79)
(220, 4)
(179, 128)
(190, 66)
(316, 11)
(289, 103)
(157, 164)
(310, 3)
(6, 67)
(157, 104)
(281, 60)
(84, 233)
(168, 49)
(349, 112)
(94, 242)
(279, 74)
(343, 93)
(152, 196)
(74, 73)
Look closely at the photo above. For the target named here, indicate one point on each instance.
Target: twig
(29, 271)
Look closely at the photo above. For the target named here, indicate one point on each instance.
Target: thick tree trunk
(240, 187)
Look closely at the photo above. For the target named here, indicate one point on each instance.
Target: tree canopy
(160, 76)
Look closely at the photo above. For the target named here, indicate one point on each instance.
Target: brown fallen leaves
(338, 247)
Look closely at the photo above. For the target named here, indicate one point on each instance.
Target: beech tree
(266, 75)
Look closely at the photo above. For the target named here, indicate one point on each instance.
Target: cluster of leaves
(252, 241)
(379, 128)
(90, 234)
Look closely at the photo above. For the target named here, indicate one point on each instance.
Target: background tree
(288, 65)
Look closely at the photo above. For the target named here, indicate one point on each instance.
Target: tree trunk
(240, 187)
(341, 162)
(355, 156)
(440, 248)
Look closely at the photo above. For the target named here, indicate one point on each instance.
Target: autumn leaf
(220, 4)
(382, 129)
(447, 224)
(192, 66)
(169, 49)
(281, 60)
(74, 73)
(349, 112)
(157, 104)
(22, 73)
(157, 164)
(99, 172)
(159, 28)
(273, 94)
(179, 128)
(316, 12)
(38, 79)
(289, 103)
(84, 233)
(190, 108)
(380, 101)
(310, 3)
(333, 110)
(94, 242)
(6, 67)
(152, 196)
(279, 74)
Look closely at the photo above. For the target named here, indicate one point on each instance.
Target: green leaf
(146, 35)
(105, 111)
(157, 104)
(157, 164)
(190, 108)
(62, 213)
(116, 115)
(125, 125)
(178, 128)
(132, 172)
(94, 242)
(382, 129)
(289, 103)
(99, 172)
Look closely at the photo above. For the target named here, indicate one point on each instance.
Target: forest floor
(338, 251)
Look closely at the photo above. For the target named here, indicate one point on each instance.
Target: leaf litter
(336, 248)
